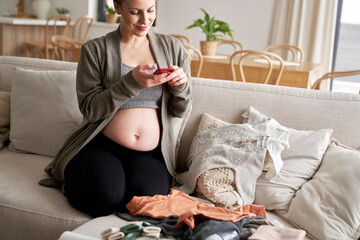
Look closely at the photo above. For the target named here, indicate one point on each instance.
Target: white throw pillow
(44, 110)
(4, 117)
(327, 206)
(301, 160)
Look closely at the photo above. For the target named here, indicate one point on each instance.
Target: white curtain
(308, 24)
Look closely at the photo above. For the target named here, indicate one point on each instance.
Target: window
(102, 9)
(347, 47)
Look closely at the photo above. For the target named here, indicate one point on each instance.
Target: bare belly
(135, 128)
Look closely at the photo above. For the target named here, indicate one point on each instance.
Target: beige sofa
(30, 211)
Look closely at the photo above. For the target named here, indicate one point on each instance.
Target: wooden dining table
(300, 75)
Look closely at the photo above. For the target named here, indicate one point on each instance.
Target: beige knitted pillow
(208, 122)
(218, 184)
(4, 117)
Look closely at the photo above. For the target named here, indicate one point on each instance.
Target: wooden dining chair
(237, 46)
(296, 54)
(182, 38)
(52, 27)
(238, 57)
(64, 47)
(191, 51)
(329, 75)
(81, 28)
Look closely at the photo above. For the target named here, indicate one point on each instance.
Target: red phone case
(164, 70)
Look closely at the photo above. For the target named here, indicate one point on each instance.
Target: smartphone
(164, 70)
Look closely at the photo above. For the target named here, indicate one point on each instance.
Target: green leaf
(110, 9)
(207, 17)
(210, 26)
(197, 23)
(62, 10)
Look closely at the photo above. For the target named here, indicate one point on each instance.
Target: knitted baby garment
(237, 146)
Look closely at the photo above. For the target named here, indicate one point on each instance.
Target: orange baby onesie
(187, 209)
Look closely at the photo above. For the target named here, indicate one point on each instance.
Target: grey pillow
(44, 110)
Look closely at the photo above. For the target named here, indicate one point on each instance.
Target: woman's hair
(120, 1)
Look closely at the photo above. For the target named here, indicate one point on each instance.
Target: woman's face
(137, 16)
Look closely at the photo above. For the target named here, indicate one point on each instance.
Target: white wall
(250, 19)
(77, 8)
(7, 6)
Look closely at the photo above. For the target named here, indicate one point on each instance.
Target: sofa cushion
(301, 160)
(292, 107)
(25, 205)
(327, 206)
(44, 110)
(218, 184)
(4, 117)
(8, 63)
(208, 122)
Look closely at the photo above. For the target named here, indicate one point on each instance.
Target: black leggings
(104, 176)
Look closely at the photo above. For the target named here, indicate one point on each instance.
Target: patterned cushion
(217, 185)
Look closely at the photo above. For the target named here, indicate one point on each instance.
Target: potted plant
(62, 10)
(215, 30)
(111, 16)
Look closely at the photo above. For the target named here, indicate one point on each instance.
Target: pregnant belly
(135, 128)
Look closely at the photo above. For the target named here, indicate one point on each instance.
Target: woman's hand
(177, 77)
(147, 79)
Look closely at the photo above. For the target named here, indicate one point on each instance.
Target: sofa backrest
(8, 63)
(297, 108)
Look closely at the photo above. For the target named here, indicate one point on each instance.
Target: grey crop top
(148, 97)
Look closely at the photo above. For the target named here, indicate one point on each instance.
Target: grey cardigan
(101, 90)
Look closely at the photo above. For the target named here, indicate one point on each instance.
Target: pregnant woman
(125, 146)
